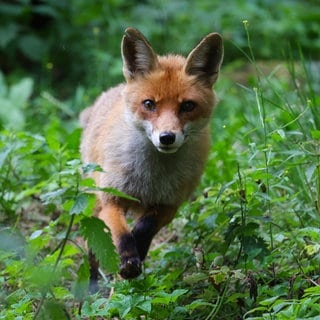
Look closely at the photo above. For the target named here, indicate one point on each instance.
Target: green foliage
(50, 37)
(13, 101)
(247, 247)
(92, 229)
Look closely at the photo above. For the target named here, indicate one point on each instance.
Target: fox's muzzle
(167, 137)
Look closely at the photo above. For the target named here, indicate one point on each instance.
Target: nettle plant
(44, 261)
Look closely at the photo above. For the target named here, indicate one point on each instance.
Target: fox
(151, 137)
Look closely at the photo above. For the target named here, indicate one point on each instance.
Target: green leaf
(80, 204)
(166, 298)
(33, 47)
(315, 134)
(53, 142)
(100, 242)
(145, 306)
(10, 115)
(118, 193)
(53, 195)
(112, 191)
(20, 92)
(91, 167)
(53, 310)
(4, 155)
(195, 278)
(80, 286)
(198, 303)
(7, 34)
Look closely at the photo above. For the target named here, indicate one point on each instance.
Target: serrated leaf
(80, 204)
(100, 242)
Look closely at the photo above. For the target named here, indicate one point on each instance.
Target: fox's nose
(167, 137)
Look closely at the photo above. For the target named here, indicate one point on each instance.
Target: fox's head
(170, 97)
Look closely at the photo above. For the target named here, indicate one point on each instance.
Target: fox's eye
(187, 106)
(149, 105)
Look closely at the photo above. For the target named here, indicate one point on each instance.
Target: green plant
(247, 245)
(13, 101)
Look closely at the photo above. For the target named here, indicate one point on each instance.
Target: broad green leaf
(195, 278)
(10, 115)
(315, 134)
(100, 242)
(53, 310)
(80, 286)
(145, 306)
(8, 32)
(166, 298)
(80, 204)
(11, 240)
(53, 142)
(20, 92)
(198, 303)
(33, 47)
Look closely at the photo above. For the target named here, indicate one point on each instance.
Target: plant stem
(63, 244)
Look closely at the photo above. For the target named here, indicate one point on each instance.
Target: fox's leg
(113, 216)
(149, 224)
(94, 272)
(93, 262)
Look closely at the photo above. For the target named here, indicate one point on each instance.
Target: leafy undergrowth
(247, 247)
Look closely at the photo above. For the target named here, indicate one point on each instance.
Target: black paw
(130, 267)
(93, 286)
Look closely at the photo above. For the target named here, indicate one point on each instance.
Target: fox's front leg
(149, 224)
(113, 216)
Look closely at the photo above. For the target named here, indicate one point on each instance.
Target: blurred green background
(64, 45)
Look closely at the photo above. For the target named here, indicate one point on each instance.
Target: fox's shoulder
(104, 103)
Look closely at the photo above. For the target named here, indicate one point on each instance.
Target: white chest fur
(137, 168)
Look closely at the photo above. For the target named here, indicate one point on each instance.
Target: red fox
(151, 137)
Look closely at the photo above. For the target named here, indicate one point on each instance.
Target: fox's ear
(205, 59)
(137, 55)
